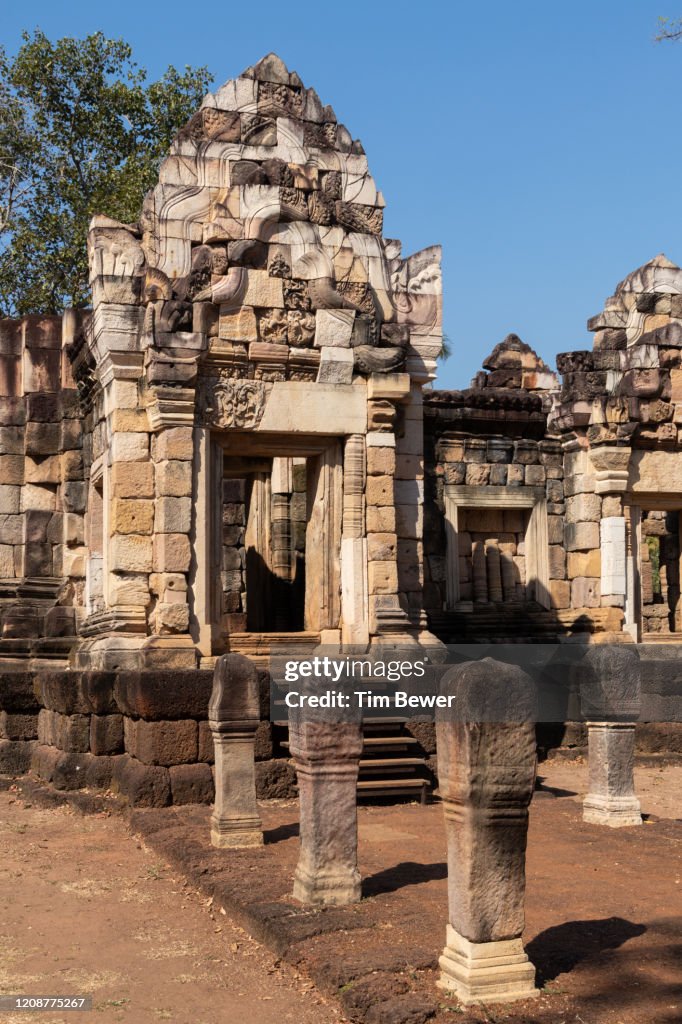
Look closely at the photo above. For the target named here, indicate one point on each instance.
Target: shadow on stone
(558, 950)
(401, 875)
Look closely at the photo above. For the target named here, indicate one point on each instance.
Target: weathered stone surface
(129, 447)
(161, 743)
(16, 756)
(173, 515)
(382, 577)
(583, 508)
(132, 516)
(174, 478)
(131, 553)
(173, 443)
(585, 592)
(380, 519)
(142, 785)
(18, 727)
(132, 480)
(336, 366)
(379, 490)
(106, 734)
(583, 564)
(582, 536)
(381, 461)
(611, 799)
(327, 757)
(610, 696)
(172, 553)
(334, 327)
(163, 695)
(486, 770)
(234, 714)
(191, 784)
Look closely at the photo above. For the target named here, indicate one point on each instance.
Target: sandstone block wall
(142, 735)
(42, 489)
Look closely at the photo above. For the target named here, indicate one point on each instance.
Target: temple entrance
(264, 517)
(272, 565)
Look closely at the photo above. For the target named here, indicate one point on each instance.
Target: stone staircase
(392, 763)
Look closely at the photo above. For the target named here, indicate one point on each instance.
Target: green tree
(81, 132)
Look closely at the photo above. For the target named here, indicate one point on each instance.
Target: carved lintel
(232, 403)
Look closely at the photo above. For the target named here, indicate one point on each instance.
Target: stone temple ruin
(239, 451)
(240, 448)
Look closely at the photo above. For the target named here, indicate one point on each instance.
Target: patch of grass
(554, 991)
(111, 1003)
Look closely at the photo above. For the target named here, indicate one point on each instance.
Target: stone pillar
(611, 798)
(327, 758)
(281, 558)
(486, 768)
(610, 696)
(281, 487)
(233, 715)
(354, 628)
(257, 542)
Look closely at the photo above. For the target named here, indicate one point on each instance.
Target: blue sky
(539, 143)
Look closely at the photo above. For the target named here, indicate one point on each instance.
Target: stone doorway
(653, 605)
(659, 550)
(264, 517)
(272, 565)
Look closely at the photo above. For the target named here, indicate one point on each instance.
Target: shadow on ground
(557, 950)
(399, 876)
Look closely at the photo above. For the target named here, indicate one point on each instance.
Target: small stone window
(497, 546)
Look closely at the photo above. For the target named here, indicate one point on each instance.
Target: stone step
(393, 787)
(391, 742)
(387, 768)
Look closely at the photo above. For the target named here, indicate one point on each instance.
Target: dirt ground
(87, 910)
(86, 907)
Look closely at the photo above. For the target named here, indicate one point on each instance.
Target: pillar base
(230, 835)
(486, 972)
(335, 890)
(614, 811)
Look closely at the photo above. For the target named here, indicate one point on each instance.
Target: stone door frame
(536, 538)
(211, 445)
(636, 503)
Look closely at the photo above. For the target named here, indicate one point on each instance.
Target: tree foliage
(669, 28)
(81, 132)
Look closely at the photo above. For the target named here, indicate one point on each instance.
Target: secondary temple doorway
(654, 608)
(273, 557)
